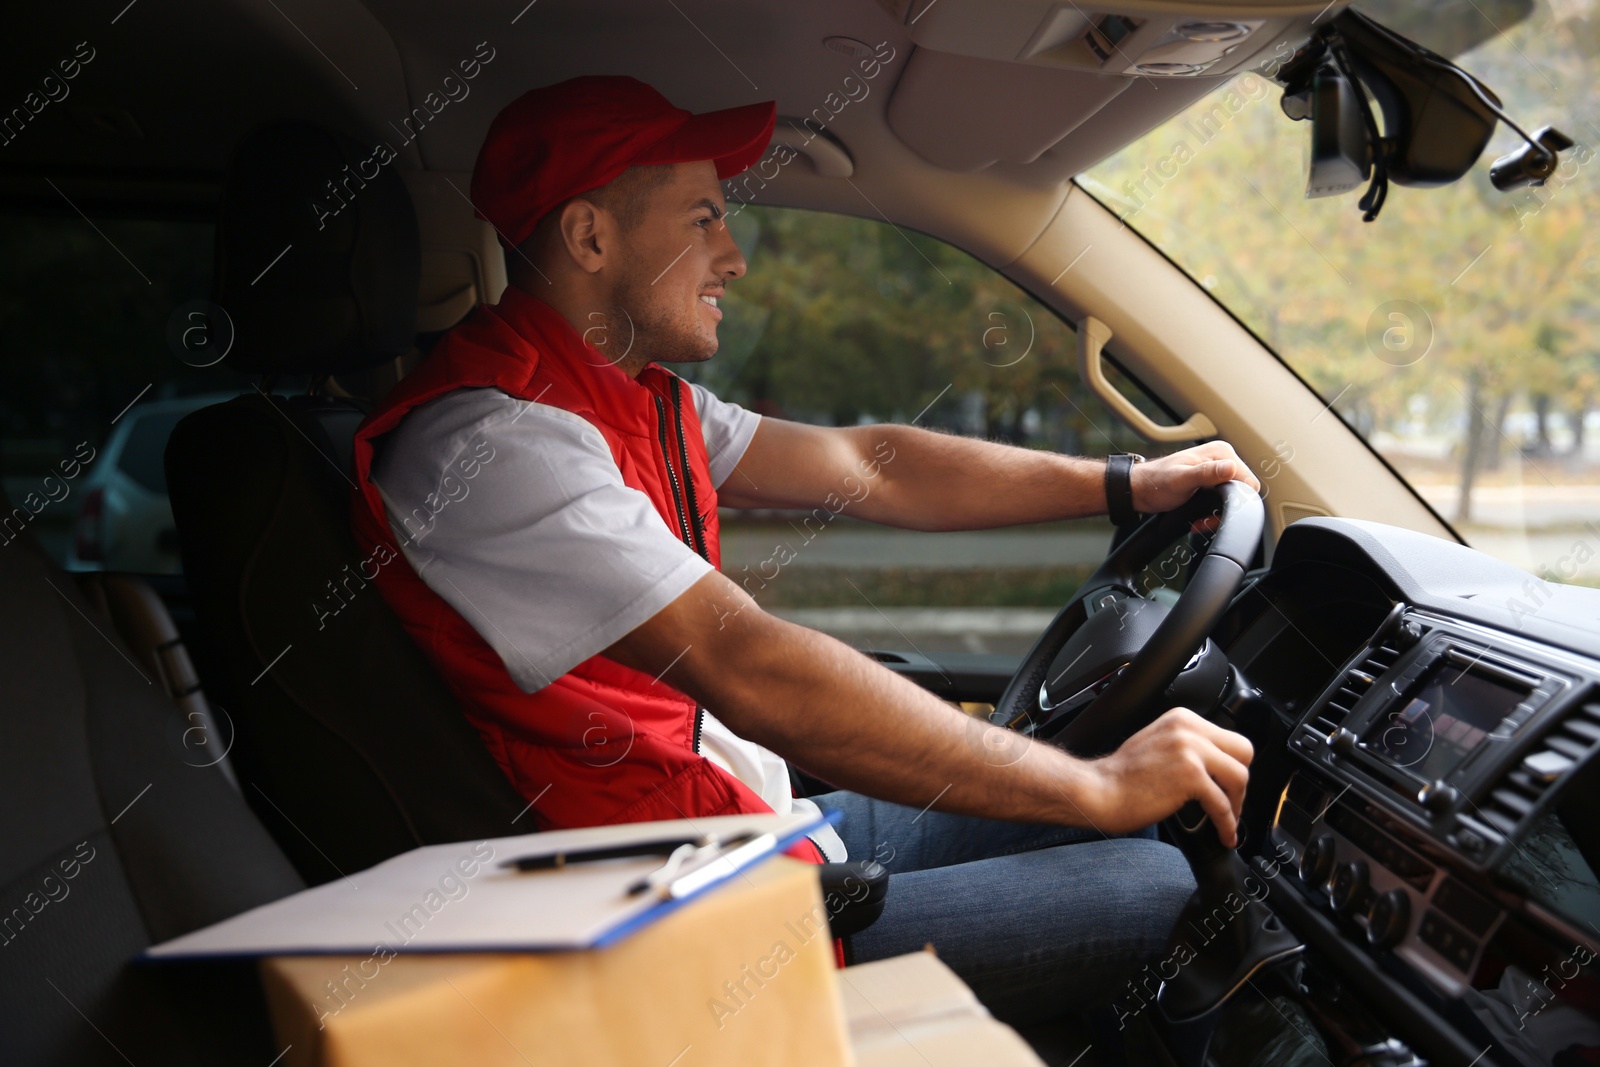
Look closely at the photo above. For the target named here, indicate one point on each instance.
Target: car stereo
(1436, 715)
(1444, 764)
(1445, 708)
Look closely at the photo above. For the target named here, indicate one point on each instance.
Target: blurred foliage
(842, 320)
(1449, 27)
(1495, 292)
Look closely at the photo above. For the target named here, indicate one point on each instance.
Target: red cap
(561, 141)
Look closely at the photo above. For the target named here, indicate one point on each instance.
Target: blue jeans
(1041, 921)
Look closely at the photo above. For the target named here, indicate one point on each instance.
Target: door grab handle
(1092, 336)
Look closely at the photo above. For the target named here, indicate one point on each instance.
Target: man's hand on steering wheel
(1165, 483)
(1178, 758)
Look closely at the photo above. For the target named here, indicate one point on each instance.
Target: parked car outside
(123, 520)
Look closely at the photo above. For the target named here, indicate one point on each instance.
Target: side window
(844, 321)
(92, 382)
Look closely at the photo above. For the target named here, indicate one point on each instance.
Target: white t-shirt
(516, 514)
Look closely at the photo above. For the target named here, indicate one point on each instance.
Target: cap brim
(734, 138)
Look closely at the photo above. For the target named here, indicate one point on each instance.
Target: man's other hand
(1163, 484)
(1178, 758)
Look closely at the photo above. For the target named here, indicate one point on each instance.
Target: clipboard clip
(695, 866)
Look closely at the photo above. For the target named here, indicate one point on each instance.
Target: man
(554, 493)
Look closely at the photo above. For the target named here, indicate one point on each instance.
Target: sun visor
(962, 113)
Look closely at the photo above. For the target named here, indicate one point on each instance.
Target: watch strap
(1119, 488)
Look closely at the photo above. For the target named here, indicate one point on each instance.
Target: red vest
(602, 743)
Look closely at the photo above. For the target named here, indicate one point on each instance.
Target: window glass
(142, 457)
(1459, 333)
(844, 321)
(91, 385)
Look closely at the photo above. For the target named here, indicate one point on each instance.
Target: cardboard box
(912, 1011)
(745, 975)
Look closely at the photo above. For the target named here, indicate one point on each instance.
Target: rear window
(142, 457)
(88, 295)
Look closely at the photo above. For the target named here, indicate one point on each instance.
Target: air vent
(1355, 684)
(1518, 794)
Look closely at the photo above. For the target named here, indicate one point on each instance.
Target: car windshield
(1457, 333)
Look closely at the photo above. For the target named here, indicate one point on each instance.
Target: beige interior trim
(462, 264)
(1173, 337)
(440, 313)
(1092, 337)
(828, 157)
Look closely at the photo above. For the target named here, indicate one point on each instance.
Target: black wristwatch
(1119, 487)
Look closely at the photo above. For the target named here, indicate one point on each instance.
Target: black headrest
(318, 258)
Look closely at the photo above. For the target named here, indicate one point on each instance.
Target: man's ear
(587, 232)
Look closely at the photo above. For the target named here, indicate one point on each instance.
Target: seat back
(112, 837)
(140, 617)
(349, 745)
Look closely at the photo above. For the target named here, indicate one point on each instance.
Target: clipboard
(459, 897)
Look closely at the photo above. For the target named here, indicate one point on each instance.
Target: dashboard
(1439, 808)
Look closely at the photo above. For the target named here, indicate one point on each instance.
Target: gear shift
(1229, 933)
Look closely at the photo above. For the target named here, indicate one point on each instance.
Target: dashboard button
(1389, 918)
(1342, 741)
(1448, 940)
(1455, 901)
(1349, 886)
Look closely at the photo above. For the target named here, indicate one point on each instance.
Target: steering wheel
(1114, 659)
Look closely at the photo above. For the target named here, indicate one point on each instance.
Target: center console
(1445, 825)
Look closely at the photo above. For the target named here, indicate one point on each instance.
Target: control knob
(1342, 741)
(1438, 796)
(1349, 886)
(1316, 863)
(1389, 918)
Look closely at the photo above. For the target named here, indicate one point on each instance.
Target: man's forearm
(826, 707)
(939, 481)
(839, 714)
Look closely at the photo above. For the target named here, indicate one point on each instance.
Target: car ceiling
(174, 83)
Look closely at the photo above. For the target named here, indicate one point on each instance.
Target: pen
(664, 846)
(550, 861)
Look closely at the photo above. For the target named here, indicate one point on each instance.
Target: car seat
(112, 838)
(140, 617)
(349, 745)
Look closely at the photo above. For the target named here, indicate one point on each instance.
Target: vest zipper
(672, 476)
(684, 530)
(688, 480)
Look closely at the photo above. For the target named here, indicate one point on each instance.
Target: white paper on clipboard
(458, 898)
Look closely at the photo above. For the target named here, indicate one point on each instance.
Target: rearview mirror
(1437, 118)
(1340, 156)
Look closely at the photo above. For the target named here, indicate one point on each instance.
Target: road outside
(875, 587)
(995, 590)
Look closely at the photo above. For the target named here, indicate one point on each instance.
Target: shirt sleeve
(727, 429)
(515, 513)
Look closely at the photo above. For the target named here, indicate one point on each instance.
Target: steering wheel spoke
(1097, 673)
